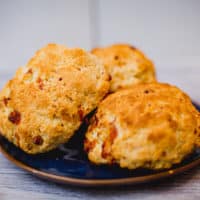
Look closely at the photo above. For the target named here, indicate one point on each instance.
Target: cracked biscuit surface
(147, 126)
(126, 65)
(46, 101)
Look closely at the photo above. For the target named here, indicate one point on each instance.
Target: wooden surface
(16, 184)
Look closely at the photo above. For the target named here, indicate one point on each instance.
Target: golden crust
(126, 65)
(149, 125)
(198, 131)
(46, 101)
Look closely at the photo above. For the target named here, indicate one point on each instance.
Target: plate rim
(98, 182)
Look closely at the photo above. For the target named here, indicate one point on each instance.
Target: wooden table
(16, 184)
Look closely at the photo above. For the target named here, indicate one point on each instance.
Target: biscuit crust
(46, 101)
(126, 65)
(149, 125)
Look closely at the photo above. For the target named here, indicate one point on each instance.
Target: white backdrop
(167, 31)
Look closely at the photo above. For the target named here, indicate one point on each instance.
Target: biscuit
(198, 132)
(147, 126)
(126, 65)
(46, 101)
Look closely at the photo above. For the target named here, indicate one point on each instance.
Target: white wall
(27, 25)
(168, 31)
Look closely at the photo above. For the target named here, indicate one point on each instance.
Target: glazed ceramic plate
(69, 165)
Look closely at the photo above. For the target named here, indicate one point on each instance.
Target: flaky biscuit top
(46, 101)
(126, 65)
(149, 125)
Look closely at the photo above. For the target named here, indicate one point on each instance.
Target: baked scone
(198, 132)
(147, 126)
(46, 101)
(126, 65)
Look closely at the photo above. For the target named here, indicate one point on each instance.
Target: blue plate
(69, 164)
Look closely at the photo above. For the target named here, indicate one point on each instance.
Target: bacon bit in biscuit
(109, 77)
(40, 83)
(113, 133)
(116, 57)
(30, 71)
(94, 122)
(89, 145)
(81, 114)
(60, 79)
(15, 117)
(146, 91)
(106, 148)
(5, 100)
(38, 140)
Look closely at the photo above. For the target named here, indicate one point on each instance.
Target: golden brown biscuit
(198, 131)
(149, 125)
(126, 65)
(46, 101)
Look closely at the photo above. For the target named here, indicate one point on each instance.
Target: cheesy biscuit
(147, 126)
(126, 65)
(46, 101)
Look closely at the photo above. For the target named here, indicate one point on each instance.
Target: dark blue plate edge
(97, 182)
(101, 182)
